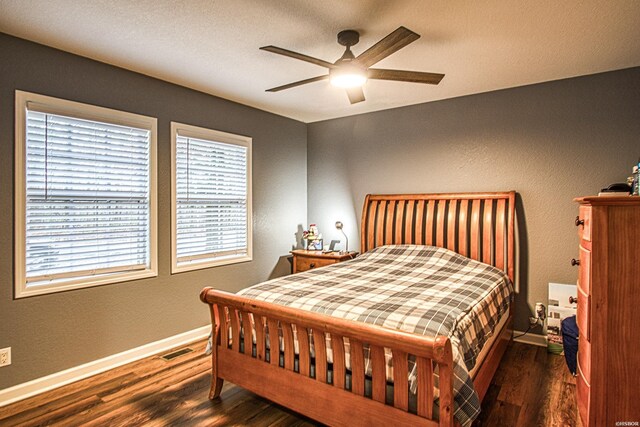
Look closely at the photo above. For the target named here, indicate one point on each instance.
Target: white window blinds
(212, 200)
(87, 198)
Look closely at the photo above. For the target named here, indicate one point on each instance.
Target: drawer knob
(573, 300)
(579, 221)
(313, 264)
(575, 262)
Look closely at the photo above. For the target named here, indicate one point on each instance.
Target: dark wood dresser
(608, 315)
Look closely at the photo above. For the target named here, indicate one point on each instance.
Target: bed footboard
(330, 402)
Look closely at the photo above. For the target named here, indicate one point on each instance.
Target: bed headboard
(477, 225)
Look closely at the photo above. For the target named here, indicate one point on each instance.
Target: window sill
(23, 291)
(175, 269)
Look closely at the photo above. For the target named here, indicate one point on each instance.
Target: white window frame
(217, 136)
(47, 104)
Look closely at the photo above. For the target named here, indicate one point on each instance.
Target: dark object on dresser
(619, 187)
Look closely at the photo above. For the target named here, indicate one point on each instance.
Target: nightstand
(304, 260)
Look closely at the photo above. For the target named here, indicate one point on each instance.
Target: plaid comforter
(419, 289)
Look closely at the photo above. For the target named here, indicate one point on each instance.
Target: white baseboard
(533, 339)
(49, 382)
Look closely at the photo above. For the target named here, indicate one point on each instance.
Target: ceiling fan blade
(405, 76)
(299, 83)
(296, 55)
(355, 95)
(388, 45)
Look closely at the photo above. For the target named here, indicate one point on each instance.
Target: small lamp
(339, 226)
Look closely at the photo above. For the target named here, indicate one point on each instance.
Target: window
(211, 198)
(85, 195)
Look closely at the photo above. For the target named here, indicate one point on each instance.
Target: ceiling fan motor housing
(348, 37)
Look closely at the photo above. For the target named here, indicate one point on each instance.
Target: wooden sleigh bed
(479, 226)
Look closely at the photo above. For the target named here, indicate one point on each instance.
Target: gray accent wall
(550, 142)
(50, 333)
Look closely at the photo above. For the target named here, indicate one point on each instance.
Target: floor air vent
(170, 356)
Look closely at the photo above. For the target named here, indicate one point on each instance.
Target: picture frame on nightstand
(315, 245)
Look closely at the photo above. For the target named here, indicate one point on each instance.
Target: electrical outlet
(5, 356)
(541, 314)
(541, 311)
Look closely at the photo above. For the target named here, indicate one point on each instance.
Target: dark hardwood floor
(531, 388)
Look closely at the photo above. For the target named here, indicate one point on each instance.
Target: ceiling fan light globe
(347, 75)
(348, 80)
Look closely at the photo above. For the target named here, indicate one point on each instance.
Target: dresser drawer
(584, 230)
(584, 274)
(584, 357)
(307, 263)
(583, 315)
(583, 394)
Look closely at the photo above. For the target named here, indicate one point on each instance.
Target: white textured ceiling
(212, 45)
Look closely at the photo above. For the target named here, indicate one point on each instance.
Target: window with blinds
(87, 210)
(211, 198)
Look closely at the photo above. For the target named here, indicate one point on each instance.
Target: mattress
(487, 345)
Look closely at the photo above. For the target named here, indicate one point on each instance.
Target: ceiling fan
(351, 72)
